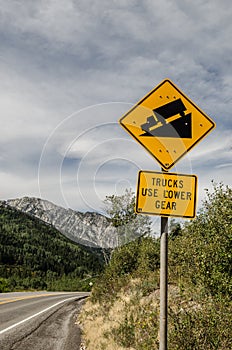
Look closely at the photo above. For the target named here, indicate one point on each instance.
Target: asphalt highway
(40, 321)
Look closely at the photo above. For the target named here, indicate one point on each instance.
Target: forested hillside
(34, 255)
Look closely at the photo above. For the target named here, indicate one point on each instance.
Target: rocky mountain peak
(91, 229)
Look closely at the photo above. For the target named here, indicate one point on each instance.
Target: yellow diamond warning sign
(167, 123)
(166, 194)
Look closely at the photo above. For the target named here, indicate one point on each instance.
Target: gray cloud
(58, 59)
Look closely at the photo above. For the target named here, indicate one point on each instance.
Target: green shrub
(202, 254)
(4, 287)
(135, 259)
(205, 326)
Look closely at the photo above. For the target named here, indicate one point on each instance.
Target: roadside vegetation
(123, 311)
(34, 255)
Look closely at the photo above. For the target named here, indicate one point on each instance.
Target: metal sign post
(164, 284)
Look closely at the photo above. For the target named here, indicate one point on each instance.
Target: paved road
(39, 321)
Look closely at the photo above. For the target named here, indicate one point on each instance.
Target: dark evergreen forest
(34, 255)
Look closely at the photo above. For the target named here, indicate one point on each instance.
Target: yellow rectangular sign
(166, 194)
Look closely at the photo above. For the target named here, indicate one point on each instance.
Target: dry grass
(97, 323)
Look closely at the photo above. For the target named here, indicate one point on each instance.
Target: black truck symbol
(169, 120)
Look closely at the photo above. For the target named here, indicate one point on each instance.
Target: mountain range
(90, 228)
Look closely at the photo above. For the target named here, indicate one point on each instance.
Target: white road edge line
(35, 315)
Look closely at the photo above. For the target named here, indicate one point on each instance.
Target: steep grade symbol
(169, 120)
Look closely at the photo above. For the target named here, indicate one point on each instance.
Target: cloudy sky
(70, 69)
